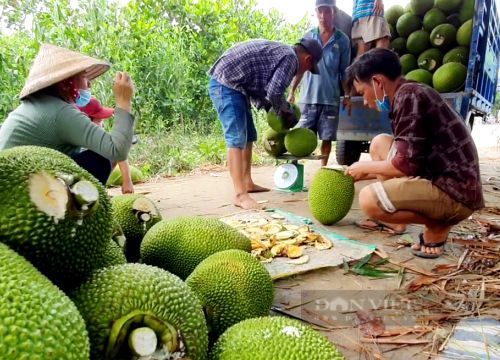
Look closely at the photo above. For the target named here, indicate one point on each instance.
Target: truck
(356, 130)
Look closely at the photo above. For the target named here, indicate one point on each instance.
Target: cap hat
(95, 110)
(314, 49)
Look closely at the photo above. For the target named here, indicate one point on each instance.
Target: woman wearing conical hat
(48, 115)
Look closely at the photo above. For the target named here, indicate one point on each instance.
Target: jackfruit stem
(142, 341)
(85, 193)
(124, 327)
(49, 194)
(145, 217)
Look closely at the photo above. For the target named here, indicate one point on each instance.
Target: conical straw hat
(54, 64)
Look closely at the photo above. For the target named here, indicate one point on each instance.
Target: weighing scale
(289, 177)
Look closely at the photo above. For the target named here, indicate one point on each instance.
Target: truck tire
(348, 152)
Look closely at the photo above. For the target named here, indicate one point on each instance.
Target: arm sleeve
(409, 133)
(281, 79)
(74, 127)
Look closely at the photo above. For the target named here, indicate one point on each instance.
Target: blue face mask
(382, 105)
(84, 98)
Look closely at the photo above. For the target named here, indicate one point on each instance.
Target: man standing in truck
(428, 171)
(320, 93)
(369, 26)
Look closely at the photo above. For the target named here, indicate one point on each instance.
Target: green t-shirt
(48, 121)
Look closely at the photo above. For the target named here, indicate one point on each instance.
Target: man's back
(249, 66)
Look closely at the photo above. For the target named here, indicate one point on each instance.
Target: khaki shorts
(421, 196)
(370, 28)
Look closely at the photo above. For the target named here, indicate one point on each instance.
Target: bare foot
(254, 188)
(246, 202)
(428, 250)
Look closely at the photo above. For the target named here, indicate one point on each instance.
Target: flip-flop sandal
(379, 227)
(423, 254)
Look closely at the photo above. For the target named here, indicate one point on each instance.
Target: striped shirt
(261, 69)
(434, 143)
(363, 8)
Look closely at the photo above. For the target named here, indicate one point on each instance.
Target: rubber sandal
(425, 255)
(379, 227)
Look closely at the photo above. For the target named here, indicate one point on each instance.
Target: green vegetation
(167, 47)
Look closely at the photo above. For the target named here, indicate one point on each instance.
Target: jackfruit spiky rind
(111, 255)
(269, 338)
(180, 244)
(133, 229)
(330, 195)
(232, 286)
(117, 291)
(38, 321)
(63, 250)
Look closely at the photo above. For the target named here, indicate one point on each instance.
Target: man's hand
(291, 97)
(127, 186)
(123, 89)
(357, 171)
(290, 118)
(378, 8)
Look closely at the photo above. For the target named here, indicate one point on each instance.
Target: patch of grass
(184, 148)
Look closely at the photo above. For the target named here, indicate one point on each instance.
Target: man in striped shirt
(257, 71)
(369, 26)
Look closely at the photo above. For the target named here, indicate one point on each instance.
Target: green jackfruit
(464, 34)
(459, 54)
(53, 212)
(180, 244)
(277, 123)
(37, 320)
(119, 299)
(407, 24)
(417, 42)
(467, 10)
(116, 179)
(330, 195)
(420, 7)
(448, 6)
(112, 255)
(251, 295)
(408, 63)
(430, 59)
(393, 13)
(274, 142)
(301, 142)
(450, 77)
(443, 36)
(394, 33)
(433, 18)
(135, 214)
(272, 338)
(398, 45)
(420, 75)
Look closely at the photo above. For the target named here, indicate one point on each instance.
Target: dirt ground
(209, 192)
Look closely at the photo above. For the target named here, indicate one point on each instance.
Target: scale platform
(290, 177)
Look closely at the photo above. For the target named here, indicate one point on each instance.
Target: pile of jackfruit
(86, 276)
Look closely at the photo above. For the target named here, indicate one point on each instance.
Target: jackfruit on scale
(232, 286)
(180, 244)
(117, 301)
(271, 338)
(53, 212)
(135, 214)
(37, 320)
